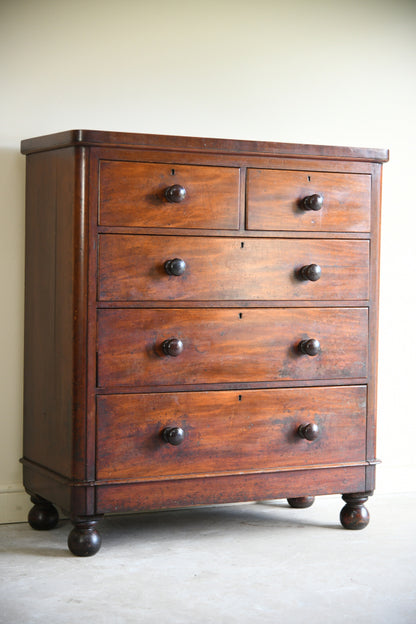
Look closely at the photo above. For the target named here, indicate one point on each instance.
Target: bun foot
(302, 502)
(43, 516)
(354, 515)
(84, 540)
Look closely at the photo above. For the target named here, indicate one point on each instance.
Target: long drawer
(275, 201)
(137, 268)
(141, 195)
(191, 346)
(228, 431)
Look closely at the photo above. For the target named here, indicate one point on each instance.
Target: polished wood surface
(132, 268)
(134, 194)
(274, 201)
(201, 325)
(228, 431)
(132, 140)
(125, 496)
(229, 345)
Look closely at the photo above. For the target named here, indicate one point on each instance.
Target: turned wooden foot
(43, 516)
(84, 540)
(301, 502)
(354, 515)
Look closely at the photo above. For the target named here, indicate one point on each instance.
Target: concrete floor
(251, 563)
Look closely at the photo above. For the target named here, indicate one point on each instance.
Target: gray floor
(252, 563)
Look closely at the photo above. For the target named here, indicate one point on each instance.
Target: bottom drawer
(229, 431)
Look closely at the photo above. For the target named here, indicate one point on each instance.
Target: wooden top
(98, 138)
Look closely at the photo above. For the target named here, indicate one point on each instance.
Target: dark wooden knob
(309, 431)
(311, 272)
(313, 202)
(175, 193)
(173, 435)
(310, 347)
(172, 347)
(176, 266)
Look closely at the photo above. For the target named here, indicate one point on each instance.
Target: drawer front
(133, 194)
(275, 201)
(228, 431)
(220, 346)
(132, 268)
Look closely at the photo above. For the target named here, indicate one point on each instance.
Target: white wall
(317, 71)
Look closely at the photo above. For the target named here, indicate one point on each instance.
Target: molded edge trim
(98, 138)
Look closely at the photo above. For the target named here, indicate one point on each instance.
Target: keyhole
(242, 245)
(309, 178)
(241, 315)
(172, 172)
(239, 397)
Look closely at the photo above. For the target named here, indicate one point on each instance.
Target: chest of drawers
(200, 325)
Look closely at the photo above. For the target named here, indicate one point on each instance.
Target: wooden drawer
(132, 268)
(229, 345)
(227, 431)
(275, 201)
(133, 194)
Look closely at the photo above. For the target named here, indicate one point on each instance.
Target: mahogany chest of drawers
(200, 326)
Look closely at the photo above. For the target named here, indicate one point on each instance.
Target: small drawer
(164, 195)
(153, 347)
(173, 268)
(276, 201)
(197, 433)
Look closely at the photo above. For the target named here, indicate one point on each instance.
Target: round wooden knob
(176, 266)
(310, 347)
(175, 193)
(309, 431)
(172, 347)
(311, 272)
(313, 202)
(173, 435)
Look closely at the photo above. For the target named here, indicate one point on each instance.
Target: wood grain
(131, 268)
(168, 494)
(133, 194)
(238, 345)
(228, 431)
(274, 201)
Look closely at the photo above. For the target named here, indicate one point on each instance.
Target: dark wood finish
(173, 435)
(228, 431)
(175, 193)
(182, 492)
(84, 540)
(170, 282)
(312, 202)
(354, 515)
(131, 140)
(309, 431)
(229, 345)
(311, 347)
(302, 502)
(172, 347)
(55, 313)
(133, 268)
(176, 266)
(275, 201)
(311, 272)
(134, 194)
(43, 516)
